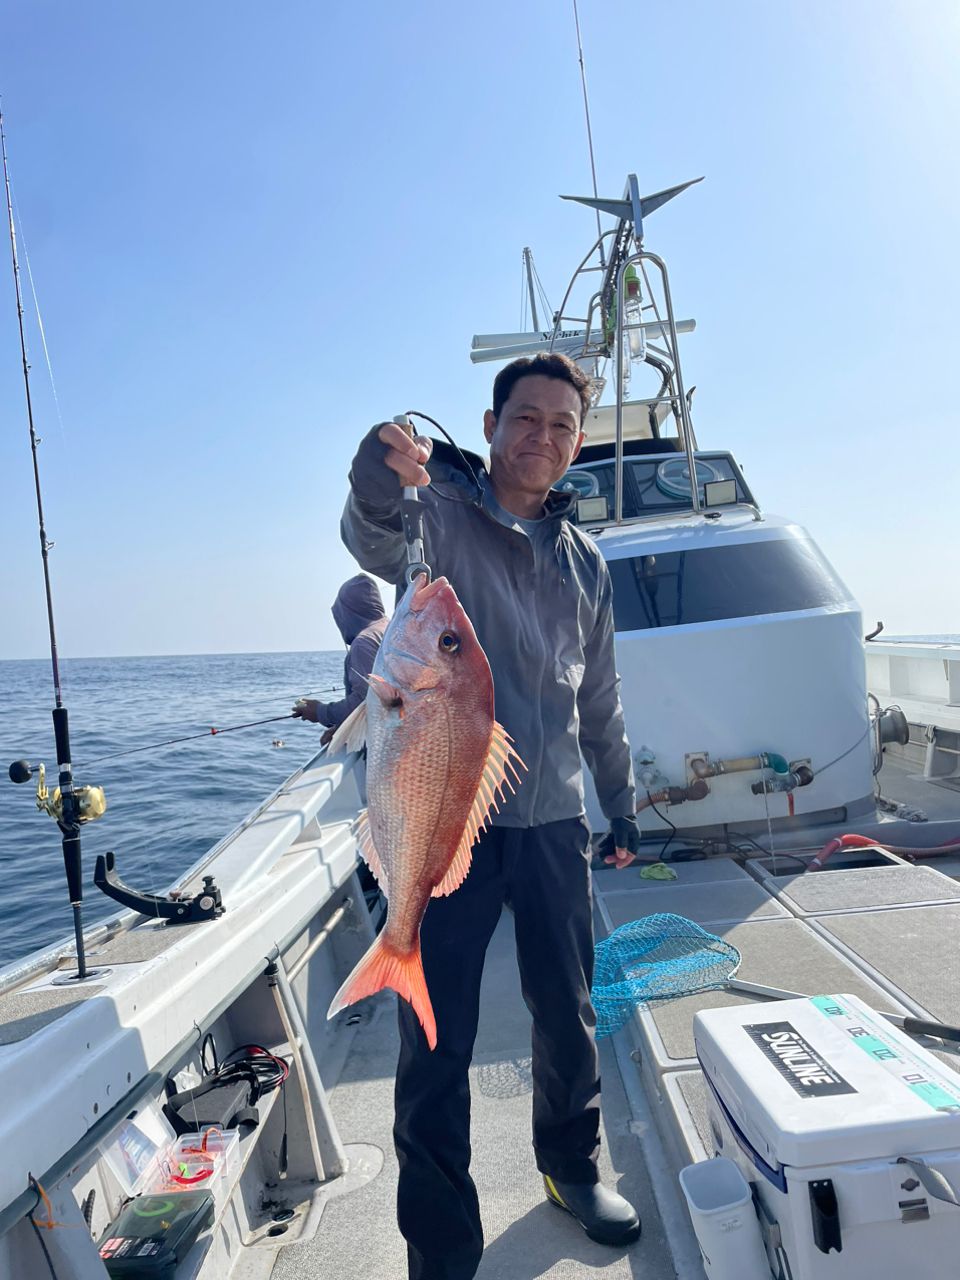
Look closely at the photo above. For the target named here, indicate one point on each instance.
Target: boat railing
(922, 679)
(684, 423)
(242, 855)
(611, 337)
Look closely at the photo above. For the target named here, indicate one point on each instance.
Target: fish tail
(384, 966)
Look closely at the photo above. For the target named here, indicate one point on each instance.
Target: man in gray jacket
(538, 593)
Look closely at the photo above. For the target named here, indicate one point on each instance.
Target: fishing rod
(206, 733)
(69, 805)
(190, 737)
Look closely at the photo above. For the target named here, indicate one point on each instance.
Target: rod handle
(919, 1027)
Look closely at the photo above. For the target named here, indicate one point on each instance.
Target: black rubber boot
(604, 1215)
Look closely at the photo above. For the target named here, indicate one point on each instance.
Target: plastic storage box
(848, 1130)
(207, 1161)
(153, 1234)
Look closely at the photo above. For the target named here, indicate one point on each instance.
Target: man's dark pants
(543, 874)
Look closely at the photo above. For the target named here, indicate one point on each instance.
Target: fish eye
(449, 642)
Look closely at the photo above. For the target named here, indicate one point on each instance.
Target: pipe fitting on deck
(703, 767)
(673, 795)
(801, 776)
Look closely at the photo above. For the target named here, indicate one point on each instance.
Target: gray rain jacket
(541, 605)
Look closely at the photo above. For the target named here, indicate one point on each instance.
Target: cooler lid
(826, 1080)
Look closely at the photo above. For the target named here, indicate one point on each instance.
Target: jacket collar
(449, 474)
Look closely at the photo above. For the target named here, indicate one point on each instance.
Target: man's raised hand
(404, 455)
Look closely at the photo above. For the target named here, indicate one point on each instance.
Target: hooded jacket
(539, 596)
(359, 614)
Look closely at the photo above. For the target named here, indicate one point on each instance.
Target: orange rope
(49, 1222)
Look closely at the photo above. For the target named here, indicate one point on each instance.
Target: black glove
(370, 477)
(626, 833)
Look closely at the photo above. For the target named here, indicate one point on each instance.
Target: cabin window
(739, 580)
(654, 486)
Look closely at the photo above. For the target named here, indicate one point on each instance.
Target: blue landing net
(657, 958)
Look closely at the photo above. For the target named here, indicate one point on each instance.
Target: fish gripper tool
(411, 515)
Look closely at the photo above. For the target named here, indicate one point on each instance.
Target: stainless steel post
(328, 1153)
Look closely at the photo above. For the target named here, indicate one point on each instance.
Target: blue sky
(256, 230)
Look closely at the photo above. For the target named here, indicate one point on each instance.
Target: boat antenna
(586, 111)
(528, 268)
(68, 813)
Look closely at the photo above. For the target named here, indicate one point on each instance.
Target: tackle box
(205, 1161)
(153, 1234)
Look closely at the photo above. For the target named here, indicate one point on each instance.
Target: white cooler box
(849, 1132)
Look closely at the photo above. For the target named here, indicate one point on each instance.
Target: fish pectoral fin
(368, 851)
(384, 966)
(388, 694)
(352, 734)
(493, 778)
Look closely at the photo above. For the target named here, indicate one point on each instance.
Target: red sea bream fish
(436, 764)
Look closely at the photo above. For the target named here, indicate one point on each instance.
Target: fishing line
(36, 307)
(45, 543)
(192, 737)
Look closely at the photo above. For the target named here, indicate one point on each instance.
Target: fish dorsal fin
(501, 757)
(368, 851)
(352, 734)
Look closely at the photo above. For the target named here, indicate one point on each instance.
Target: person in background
(359, 614)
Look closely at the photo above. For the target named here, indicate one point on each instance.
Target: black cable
(742, 835)
(663, 818)
(817, 772)
(268, 1070)
(412, 413)
(208, 1070)
(791, 857)
(43, 1246)
(282, 1162)
(37, 1232)
(768, 853)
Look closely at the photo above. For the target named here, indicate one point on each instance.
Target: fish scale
(437, 762)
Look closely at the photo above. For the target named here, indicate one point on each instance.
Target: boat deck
(885, 933)
(358, 1237)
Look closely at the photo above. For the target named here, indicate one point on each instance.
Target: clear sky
(255, 230)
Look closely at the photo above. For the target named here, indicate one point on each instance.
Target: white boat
(748, 702)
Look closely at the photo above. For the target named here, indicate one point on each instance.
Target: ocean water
(165, 807)
(946, 637)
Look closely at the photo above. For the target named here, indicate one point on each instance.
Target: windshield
(656, 485)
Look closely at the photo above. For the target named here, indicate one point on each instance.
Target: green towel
(658, 871)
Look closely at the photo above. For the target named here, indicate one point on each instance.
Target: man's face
(537, 435)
